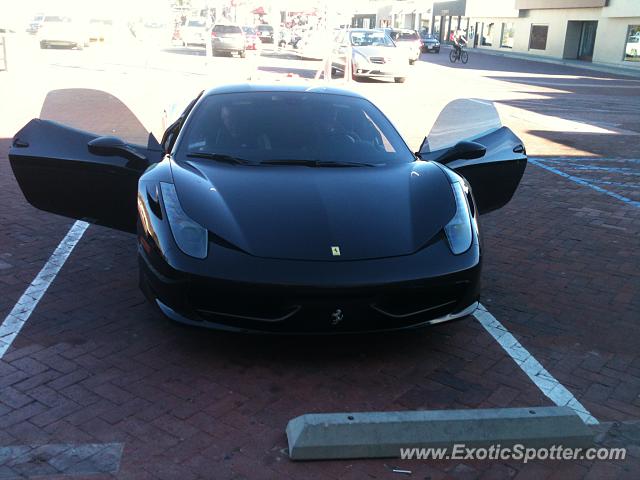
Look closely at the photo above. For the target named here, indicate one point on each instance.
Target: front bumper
(371, 71)
(268, 304)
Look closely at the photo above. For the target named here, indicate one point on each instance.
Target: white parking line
(546, 382)
(22, 310)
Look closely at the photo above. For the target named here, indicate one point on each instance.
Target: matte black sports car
(288, 208)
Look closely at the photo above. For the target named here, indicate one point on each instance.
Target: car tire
(411, 62)
(242, 53)
(438, 51)
(400, 79)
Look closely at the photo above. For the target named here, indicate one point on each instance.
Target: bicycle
(458, 54)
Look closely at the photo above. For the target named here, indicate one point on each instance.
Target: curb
(382, 434)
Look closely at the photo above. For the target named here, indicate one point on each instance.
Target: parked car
(228, 38)
(373, 55)
(409, 40)
(63, 31)
(429, 43)
(194, 32)
(265, 32)
(251, 39)
(100, 29)
(285, 208)
(314, 45)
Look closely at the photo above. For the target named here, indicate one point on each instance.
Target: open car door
(80, 174)
(468, 137)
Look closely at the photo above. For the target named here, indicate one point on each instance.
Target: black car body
(429, 43)
(329, 225)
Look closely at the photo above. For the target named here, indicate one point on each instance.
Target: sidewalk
(599, 67)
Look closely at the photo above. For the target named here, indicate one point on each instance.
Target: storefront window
(506, 39)
(538, 37)
(632, 46)
(487, 35)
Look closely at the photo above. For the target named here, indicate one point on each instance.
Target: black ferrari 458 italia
(283, 208)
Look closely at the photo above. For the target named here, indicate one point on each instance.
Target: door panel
(495, 176)
(57, 173)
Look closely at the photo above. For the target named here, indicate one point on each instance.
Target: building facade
(600, 31)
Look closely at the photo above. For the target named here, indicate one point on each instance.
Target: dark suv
(228, 38)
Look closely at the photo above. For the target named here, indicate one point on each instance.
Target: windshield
(292, 126)
(248, 30)
(376, 39)
(196, 23)
(402, 36)
(227, 29)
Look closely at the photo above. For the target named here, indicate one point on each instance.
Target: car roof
(255, 87)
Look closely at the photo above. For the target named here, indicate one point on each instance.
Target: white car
(315, 45)
(410, 40)
(373, 55)
(194, 32)
(62, 31)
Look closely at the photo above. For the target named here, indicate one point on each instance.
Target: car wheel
(438, 51)
(411, 62)
(399, 79)
(242, 54)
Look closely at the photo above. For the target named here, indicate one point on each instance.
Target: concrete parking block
(383, 434)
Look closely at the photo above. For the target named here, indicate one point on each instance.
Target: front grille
(379, 60)
(314, 309)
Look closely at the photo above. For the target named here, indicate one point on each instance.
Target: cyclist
(459, 41)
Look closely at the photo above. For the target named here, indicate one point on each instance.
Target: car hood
(394, 53)
(300, 213)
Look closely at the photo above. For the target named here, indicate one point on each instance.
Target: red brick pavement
(95, 363)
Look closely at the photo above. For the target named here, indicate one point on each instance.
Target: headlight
(191, 237)
(359, 59)
(458, 230)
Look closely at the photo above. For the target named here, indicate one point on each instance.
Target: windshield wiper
(219, 157)
(317, 163)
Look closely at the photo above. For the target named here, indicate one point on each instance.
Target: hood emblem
(337, 317)
(335, 251)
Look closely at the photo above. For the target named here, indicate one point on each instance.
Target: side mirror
(109, 146)
(463, 150)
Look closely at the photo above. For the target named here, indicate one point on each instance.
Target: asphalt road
(94, 364)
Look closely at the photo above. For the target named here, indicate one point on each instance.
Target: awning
(258, 11)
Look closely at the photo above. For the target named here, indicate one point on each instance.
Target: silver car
(373, 55)
(228, 38)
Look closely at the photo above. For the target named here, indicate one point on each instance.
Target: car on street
(373, 55)
(63, 31)
(429, 43)
(410, 40)
(314, 45)
(252, 41)
(265, 32)
(228, 38)
(289, 207)
(194, 32)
